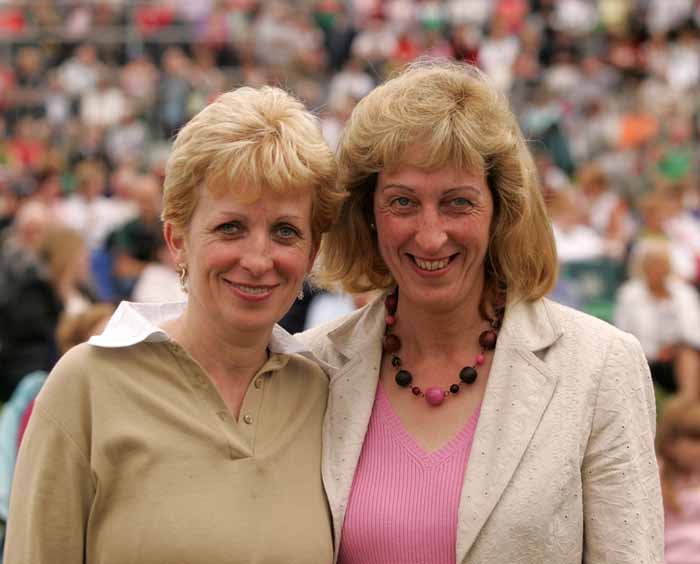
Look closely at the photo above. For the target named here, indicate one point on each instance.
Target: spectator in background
(28, 96)
(89, 210)
(81, 72)
(678, 451)
(105, 105)
(351, 82)
(67, 261)
(142, 268)
(139, 80)
(174, 91)
(30, 303)
(663, 312)
(576, 240)
(604, 210)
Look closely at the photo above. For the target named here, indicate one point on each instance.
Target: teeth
(431, 264)
(252, 289)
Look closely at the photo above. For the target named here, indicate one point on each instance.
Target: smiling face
(433, 232)
(246, 261)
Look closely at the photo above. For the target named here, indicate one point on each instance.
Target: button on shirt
(132, 440)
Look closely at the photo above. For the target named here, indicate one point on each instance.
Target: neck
(228, 354)
(426, 332)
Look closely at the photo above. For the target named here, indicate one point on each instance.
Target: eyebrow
(232, 215)
(467, 187)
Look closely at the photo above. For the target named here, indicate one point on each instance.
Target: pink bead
(434, 396)
(390, 320)
(479, 360)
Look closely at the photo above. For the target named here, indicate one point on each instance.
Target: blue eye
(230, 228)
(287, 231)
(460, 202)
(401, 202)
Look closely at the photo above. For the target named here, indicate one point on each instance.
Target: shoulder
(85, 368)
(306, 371)
(593, 343)
(633, 288)
(319, 333)
(348, 332)
(683, 289)
(583, 325)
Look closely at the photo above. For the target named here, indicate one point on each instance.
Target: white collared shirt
(134, 323)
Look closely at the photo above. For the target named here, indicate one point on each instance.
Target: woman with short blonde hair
(191, 432)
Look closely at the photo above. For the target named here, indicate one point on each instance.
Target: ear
(176, 243)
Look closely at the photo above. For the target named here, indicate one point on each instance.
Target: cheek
(293, 261)
(392, 230)
(215, 256)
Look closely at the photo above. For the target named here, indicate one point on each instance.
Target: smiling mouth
(431, 265)
(252, 290)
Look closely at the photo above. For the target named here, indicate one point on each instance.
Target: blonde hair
(648, 247)
(680, 415)
(59, 249)
(249, 140)
(453, 111)
(78, 328)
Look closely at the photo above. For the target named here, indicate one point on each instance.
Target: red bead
(391, 343)
(479, 360)
(487, 340)
(415, 390)
(390, 320)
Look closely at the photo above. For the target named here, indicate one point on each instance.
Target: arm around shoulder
(622, 504)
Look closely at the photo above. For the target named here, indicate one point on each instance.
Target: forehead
(245, 200)
(445, 177)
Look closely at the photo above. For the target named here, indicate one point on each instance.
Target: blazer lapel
(353, 386)
(519, 389)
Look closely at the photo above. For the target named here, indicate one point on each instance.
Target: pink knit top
(404, 501)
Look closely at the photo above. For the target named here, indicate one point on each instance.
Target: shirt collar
(134, 323)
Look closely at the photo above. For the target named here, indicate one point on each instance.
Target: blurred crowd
(91, 93)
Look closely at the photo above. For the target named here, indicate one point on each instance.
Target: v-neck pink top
(404, 501)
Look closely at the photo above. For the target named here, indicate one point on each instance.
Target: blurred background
(92, 92)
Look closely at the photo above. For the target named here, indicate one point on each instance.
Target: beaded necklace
(391, 344)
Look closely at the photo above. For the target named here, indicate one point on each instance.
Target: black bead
(468, 375)
(403, 378)
(454, 388)
(395, 361)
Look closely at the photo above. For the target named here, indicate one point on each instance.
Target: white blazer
(562, 468)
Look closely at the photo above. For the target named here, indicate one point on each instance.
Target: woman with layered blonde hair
(470, 419)
(191, 432)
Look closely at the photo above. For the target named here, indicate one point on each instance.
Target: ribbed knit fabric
(404, 501)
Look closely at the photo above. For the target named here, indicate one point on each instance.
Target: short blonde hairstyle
(249, 140)
(462, 120)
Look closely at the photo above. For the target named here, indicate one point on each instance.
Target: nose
(256, 257)
(431, 235)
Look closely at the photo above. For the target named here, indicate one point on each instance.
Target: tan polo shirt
(131, 456)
